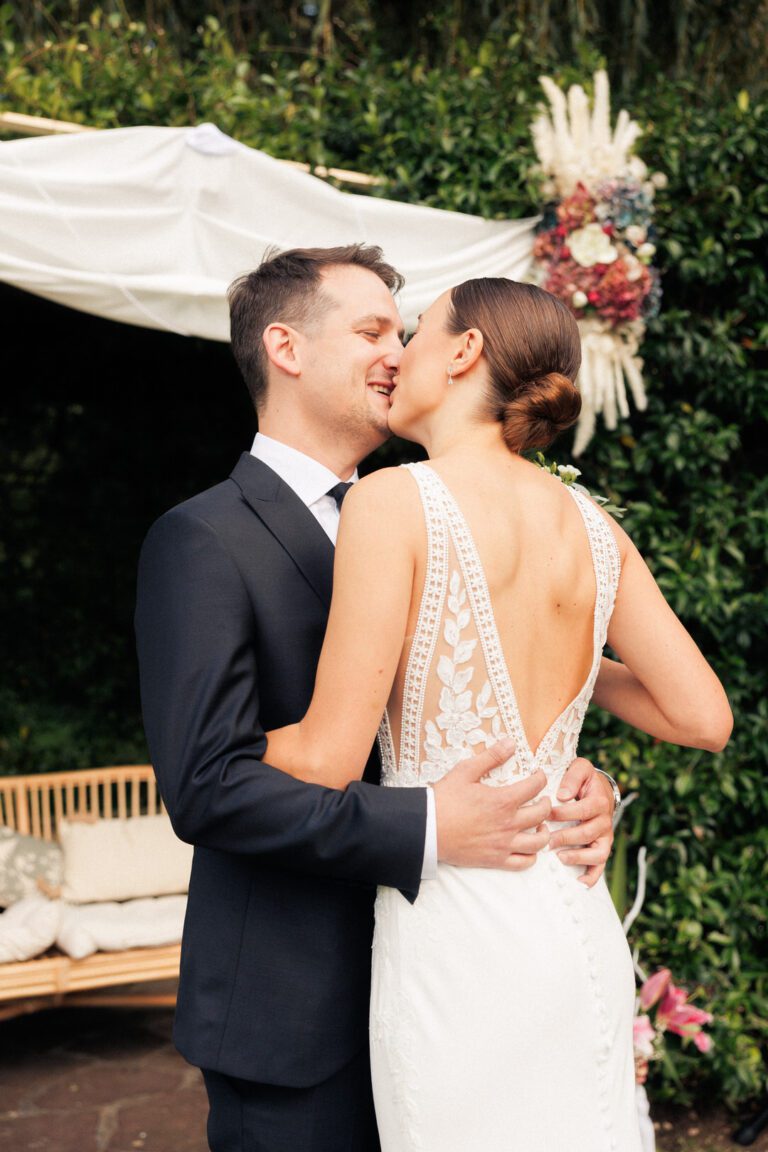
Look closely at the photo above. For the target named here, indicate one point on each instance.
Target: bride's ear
(280, 344)
(469, 352)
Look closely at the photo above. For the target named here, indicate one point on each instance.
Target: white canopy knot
(211, 141)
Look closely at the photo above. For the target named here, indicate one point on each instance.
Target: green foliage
(454, 133)
(690, 472)
(707, 42)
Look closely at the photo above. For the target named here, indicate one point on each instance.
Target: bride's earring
(450, 373)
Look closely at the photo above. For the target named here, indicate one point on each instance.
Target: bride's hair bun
(532, 347)
(539, 411)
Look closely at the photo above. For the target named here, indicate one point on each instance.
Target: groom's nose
(394, 353)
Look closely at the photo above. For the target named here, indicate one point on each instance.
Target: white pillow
(122, 859)
(28, 927)
(91, 928)
(27, 864)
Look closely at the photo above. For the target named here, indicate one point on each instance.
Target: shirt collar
(308, 478)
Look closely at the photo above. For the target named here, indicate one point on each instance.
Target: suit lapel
(290, 522)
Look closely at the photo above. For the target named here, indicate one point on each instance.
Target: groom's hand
(587, 797)
(482, 827)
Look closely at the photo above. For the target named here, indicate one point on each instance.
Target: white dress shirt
(311, 480)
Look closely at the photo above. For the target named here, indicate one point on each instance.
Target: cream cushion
(122, 859)
(28, 927)
(109, 927)
(27, 864)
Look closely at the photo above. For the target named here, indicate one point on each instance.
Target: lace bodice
(457, 693)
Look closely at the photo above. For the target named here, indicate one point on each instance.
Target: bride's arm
(372, 582)
(663, 685)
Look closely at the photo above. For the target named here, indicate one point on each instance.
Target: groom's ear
(280, 345)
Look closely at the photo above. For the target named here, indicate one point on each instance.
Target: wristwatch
(614, 789)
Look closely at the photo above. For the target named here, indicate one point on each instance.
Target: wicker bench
(33, 805)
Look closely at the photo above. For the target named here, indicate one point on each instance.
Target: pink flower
(576, 210)
(643, 1036)
(618, 299)
(671, 1002)
(684, 1020)
(675, 1014)
(655, 987)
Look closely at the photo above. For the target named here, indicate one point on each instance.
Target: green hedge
(689, 469)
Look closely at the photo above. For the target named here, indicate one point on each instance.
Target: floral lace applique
(458, 727)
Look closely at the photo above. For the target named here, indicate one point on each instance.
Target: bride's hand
(589, 842)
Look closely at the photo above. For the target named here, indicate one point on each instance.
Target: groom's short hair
(286, 288)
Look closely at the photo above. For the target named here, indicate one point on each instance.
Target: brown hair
(287, 287)
(532, 347)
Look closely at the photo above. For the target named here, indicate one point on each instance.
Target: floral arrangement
(595, 243)
(673, 1013)
(593, 251)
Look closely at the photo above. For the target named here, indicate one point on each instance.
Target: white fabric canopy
(148, 226)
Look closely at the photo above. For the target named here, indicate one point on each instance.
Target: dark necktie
(339, 491)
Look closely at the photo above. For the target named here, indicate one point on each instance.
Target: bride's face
(422, 378)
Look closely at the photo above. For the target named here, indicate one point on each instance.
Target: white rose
(568, 472)
(659, 180)
(579, 299)
(636, 235)
(646, 251)
(590, 245)
(633, 268)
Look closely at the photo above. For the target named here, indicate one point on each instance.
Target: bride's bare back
(535, 554)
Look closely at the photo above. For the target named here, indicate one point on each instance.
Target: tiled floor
(97, 1080)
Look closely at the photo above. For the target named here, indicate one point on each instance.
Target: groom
(233, 595)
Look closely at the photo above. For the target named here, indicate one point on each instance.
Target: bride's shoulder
(384, 485)
(388, 494)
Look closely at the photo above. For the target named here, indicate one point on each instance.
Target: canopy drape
(148, 226)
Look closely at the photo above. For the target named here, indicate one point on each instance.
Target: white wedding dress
(502, 1002)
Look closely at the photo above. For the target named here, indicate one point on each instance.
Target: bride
(473, 596)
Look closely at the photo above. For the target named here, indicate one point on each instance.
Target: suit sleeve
(195, 632)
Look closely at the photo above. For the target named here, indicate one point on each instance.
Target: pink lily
(654, 988)
(687, 1020)
(672, 1001)
(702, 1041)
(643, 1034)
(676, 1015)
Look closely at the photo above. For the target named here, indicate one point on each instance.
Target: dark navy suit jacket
(233, 596)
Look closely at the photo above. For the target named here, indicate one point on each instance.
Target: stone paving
(97, 1080)
(109, 1080)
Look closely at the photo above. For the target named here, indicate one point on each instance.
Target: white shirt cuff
(429, 866)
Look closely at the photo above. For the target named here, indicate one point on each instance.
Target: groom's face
(350, 356)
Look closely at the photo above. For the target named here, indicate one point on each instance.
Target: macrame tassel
(609, 363)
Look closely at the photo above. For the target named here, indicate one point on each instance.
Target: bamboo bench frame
(33, 805)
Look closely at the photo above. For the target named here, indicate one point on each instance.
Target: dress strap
(428, 624)
(605, 558)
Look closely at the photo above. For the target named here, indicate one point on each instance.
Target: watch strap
(614, 788)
